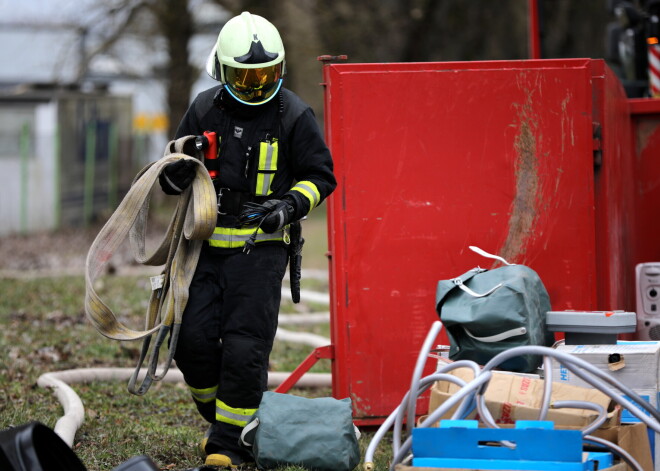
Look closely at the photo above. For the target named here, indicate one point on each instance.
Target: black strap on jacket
(231, 202)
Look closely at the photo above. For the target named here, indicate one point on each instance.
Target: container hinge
(597, 146)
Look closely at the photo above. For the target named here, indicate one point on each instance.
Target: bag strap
(247, 429)
(483, 253)
(446, 286)
(458, 282)
(498, 337)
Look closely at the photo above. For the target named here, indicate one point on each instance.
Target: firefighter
(272, 153)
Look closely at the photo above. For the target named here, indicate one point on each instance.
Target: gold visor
(253, 85)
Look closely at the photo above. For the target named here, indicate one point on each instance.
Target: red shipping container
(531, 160)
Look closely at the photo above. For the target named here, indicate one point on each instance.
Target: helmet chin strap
(279, 85)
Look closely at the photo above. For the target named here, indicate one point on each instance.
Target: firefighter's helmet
(248, 59)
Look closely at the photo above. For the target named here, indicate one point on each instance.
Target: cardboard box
(633, 438)
(511, 397)
(634, 364)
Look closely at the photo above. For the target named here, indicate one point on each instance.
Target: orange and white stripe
(654, 67)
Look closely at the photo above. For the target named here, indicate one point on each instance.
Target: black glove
(280, 215)
(177, 176)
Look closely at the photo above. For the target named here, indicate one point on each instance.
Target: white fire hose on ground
(74, 410)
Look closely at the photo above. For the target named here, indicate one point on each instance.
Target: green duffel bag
(486, 312)
(315, 433)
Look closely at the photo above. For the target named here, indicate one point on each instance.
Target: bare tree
(366, 31)
(170, 20)
(119, 18)
(176, 25)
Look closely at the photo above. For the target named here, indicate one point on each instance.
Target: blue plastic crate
(530, 445)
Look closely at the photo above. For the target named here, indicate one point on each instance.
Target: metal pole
(534, 30)
(654, 68)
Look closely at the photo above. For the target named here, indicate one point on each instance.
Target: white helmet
(248, 59)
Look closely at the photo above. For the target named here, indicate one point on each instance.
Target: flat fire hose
(192, 222)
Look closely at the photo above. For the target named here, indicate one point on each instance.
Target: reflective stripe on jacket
(231, 238)
(309, 191)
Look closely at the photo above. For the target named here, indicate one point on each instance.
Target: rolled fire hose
(192, 222)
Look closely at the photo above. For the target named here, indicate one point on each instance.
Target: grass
(45, 329)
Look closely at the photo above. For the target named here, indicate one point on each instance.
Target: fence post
(113, 166)
(24, 182)
(90, 161)
(57, 179)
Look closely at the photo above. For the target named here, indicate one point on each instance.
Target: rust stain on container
(524, 208)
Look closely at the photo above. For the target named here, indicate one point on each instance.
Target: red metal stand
(326, 352)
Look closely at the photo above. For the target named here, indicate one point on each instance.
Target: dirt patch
(62, 252)
(525, 204)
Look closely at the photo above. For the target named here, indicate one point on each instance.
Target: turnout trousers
(227, 334)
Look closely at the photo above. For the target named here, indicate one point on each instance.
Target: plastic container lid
(610, 322)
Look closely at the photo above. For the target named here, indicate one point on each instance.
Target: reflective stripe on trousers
(203, 395)
(232, 415)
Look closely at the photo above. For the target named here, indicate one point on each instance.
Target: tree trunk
(176, 24)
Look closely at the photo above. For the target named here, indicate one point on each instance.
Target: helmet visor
(254, 85)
